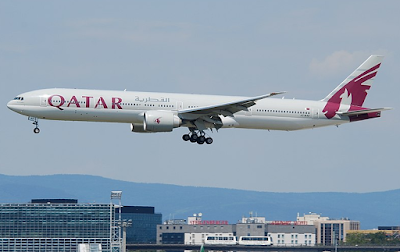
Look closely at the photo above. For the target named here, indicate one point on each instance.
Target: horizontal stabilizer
(360, 112)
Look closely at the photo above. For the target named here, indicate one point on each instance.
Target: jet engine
(157, 121)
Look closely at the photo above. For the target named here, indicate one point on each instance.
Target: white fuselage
(129, 107)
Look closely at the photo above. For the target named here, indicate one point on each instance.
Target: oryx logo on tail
(351, 93)
(345, 102)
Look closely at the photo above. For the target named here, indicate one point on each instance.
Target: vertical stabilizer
(354, 89)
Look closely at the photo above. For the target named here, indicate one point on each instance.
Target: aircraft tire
(186, 137)
(209, 140)
(193, 138)
(36, 130)
(201, 139)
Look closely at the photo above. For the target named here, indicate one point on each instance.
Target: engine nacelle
(157, 121)
(160, 121)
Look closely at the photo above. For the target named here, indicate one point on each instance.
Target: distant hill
(371, 209)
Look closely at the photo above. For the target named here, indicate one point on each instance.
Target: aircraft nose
(11, 105)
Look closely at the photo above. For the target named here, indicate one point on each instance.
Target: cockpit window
(20, 98)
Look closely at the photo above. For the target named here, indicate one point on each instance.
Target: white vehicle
(255, 240)
(162, 112)
(219, 240)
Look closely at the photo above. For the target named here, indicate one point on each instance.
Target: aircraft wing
(363, 111)
(227, 109)
(209, 116)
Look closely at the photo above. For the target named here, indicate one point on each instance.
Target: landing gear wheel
(35, 121)
(193, 138)
(197, 136)
(201, 139)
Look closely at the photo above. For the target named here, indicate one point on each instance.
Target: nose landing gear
(35, 120)
(197, 137)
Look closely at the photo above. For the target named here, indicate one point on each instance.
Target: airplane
(150, 112)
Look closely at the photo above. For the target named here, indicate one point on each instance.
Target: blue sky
(245, 48)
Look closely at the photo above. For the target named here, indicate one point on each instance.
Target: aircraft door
(43, 101)
(179, 105)
(315, 113)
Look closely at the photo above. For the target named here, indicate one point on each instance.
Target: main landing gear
(35, 120)
(199, 137)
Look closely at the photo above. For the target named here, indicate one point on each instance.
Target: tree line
(378, 238)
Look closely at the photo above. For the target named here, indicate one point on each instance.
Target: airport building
(329, 231)
(308, 230)
(385, 228)
(54, 225)
(68, 226)
(143, 226)
(292, 234)
(195, 231)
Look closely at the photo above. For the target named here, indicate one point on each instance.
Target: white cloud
(337, 63)
(341, 62)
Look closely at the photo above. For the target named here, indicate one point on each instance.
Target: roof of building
(55, 201)
(137, 209)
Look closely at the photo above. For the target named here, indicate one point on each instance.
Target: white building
(292, 235)
(329, 231)
(310, 218)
